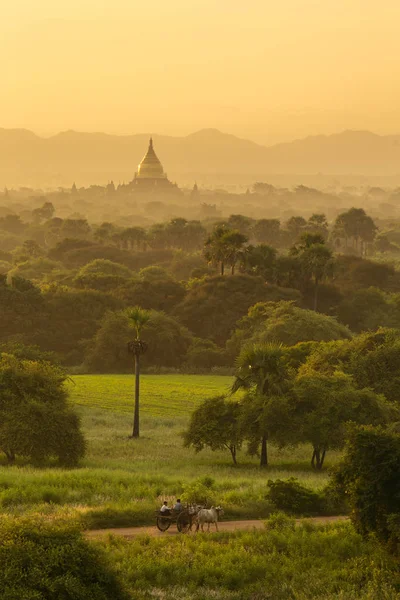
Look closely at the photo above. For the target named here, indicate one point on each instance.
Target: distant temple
(150, 176)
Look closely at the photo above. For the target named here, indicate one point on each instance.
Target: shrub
(199, 492)
(279, 521)
(368, 478)
(36, 421)
(290, 495)
(42, 561)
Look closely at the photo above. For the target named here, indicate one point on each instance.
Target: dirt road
(152, 531)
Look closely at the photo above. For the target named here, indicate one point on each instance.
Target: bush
(198, 492)
(290, 495)
(36, 421)
(279, 521)
(368, 478)
(42, 561)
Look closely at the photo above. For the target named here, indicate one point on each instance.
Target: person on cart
(178, 506)
(165, 510)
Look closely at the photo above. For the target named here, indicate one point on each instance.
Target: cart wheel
(163, 523)
(184, 522)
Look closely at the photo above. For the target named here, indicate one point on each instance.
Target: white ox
(208, 515)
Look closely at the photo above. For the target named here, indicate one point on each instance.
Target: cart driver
(165, 510)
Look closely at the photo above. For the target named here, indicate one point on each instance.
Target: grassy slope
(122, 480)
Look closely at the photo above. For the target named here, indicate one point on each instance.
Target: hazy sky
(269, 70)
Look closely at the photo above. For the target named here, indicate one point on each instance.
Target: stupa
(150, 174)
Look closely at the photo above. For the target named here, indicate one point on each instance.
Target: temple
(150, 174)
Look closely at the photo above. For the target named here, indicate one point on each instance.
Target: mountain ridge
(97, 157)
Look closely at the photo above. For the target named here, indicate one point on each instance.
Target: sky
(267, 70)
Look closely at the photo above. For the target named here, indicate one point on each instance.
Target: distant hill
(207, 155)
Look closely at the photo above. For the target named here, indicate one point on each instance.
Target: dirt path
(152, 531)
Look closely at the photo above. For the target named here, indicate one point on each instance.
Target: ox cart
(183, 519)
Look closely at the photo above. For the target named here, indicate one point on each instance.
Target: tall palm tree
(260, 369)
(223, 247)
(138, 317)
(316, 260)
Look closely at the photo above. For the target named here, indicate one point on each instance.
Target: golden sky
(269, 70)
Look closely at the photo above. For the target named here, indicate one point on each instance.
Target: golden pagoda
(150, 166)
(150, 174)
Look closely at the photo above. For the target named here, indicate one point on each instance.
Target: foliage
(216, 424)
(355, 224)
(36, 421)
(101, 274)
(259, 260)
(32, 353)
(368, 309)
(372, 359)
(72, 319)
(368, 477)
(213, 306)
(199, 492)
(292, 496)
(50, 561)
(151, 292)
(315, 260)
(324, 404)
(262, 371)
(280, 521)
(204, 354)
(286, 323)
(224, 247)
(168, 342)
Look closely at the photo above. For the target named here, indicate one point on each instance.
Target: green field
(121, 480)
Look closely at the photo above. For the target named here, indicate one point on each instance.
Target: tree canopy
(36, 421)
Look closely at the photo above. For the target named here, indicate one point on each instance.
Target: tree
(259, 260)
(267, 231)
(153, 289)
(223, 247)
(168, 339)
(315, 260)
(294, 227)
(36, 421)
(212, 306)
(12, 224)
(44, 213)
(139, 317)
(102, 274)
(262, 371)
(240, 223)
(356, 225)
(368, 479)
(215, 424)
(323, 405)
(317, 223)
(36, 269)
(131, 238)
(285, 323)
(354, 272)
(372, 359)
(368, 309)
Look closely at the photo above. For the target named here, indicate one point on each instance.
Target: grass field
(308, 563)
(121, 481)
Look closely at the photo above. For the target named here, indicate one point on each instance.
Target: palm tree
(139, 317)
(262, 372)
(315, 260)
(223, 247)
